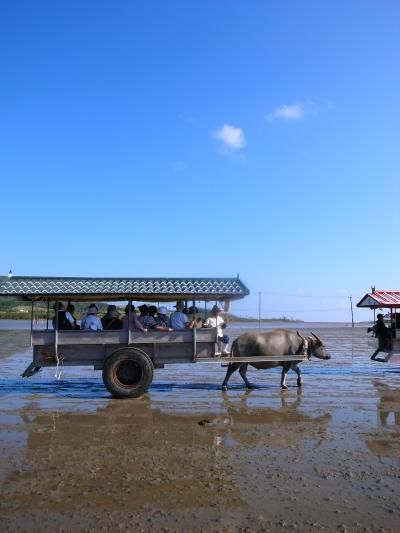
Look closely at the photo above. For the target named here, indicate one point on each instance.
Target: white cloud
(233, 138)
(293, 111)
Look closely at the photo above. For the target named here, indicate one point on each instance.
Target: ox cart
(390, 300)
(128, 357)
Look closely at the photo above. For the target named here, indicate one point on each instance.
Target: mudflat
(189, 457)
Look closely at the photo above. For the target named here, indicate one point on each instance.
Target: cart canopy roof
(113, 289)
(380, 299)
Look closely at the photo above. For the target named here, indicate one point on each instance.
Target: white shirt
(68, 316)
(215, 322)
(91, 322)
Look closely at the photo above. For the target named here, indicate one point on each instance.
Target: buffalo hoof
(283, 387)
(299, 382)
(224, 388)
(250, 387)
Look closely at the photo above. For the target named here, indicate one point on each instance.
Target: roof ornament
(10, 274)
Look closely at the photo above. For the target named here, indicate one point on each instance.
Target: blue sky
(205, 139)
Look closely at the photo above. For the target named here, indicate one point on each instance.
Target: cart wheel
(128, 373)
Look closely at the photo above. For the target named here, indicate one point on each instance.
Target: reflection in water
(122, 457)
(137, 419)
(384, 442)
(275, 428)
(388, 403)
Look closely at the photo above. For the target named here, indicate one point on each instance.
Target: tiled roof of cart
(378, 299)
(150, 289)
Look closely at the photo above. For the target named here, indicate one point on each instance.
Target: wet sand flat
(189, 457)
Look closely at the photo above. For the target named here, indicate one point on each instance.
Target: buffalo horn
(301, 337)
(304, 345)
(316, 336)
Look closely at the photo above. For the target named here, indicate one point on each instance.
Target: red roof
(380, 299)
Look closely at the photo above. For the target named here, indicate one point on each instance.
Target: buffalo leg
(243, 372)
(231, 369)
(296, 368)
(285, 370)
(373, 356)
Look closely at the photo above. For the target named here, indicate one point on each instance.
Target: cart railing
(48, 337)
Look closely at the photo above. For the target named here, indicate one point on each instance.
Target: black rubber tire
(128, 373)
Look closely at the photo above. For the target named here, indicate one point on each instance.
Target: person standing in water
(383, 334)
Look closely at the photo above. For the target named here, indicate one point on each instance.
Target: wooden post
(56, 331)
(31, 323)
(129, 320)
(392, 324)
(194, 342)
(194, 318)
(373, 290)
(48, 309)
(351, 307)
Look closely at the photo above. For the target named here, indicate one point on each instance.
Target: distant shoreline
(231, 318)
(25, 323)
(235, 318)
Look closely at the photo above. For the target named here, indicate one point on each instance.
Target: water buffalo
(274, 342)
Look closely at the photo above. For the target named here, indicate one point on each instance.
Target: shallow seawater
(188, 456)
(180, 388)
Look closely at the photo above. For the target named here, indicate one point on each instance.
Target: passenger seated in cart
(160, 323)
(179, 319)
(216, 321)
(135, 324)
(64, 318)
(111, 320)
(199, 322)
(91, 322)
(162, 318)
(71, 311)
(383, 334)
(145, 319)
